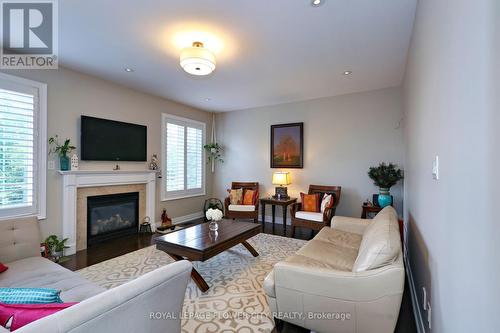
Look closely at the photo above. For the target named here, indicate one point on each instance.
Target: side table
(284, 203)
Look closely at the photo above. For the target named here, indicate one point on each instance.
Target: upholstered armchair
(311, 220)
(243, 211)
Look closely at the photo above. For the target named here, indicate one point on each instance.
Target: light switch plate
(51, 165)
(435, 168)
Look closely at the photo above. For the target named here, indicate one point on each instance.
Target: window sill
(183, 196)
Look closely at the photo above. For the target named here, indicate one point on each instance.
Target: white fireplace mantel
(72, 180)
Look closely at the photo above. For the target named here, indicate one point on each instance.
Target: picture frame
(287, 146)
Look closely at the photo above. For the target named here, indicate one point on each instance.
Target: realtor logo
(29, 34)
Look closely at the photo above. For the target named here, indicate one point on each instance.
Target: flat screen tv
(109, 140)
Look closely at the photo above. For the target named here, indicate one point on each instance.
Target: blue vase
(64, 163)
(384, 197)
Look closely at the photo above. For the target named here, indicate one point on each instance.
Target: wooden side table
(284, 203)
(369, 210)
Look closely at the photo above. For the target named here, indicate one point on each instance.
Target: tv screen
(109, 140)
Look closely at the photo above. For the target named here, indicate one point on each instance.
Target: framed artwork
(287, 146)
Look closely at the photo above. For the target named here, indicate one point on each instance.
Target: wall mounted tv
(109, 140)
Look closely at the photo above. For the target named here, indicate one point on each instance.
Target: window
(183, 157)
(23, 147)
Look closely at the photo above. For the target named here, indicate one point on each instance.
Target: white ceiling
(272, 52)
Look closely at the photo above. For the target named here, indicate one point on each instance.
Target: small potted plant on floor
(62, 150)
(56, 247)
(385, 176)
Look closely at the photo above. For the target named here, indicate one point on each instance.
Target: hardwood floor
(120, 246)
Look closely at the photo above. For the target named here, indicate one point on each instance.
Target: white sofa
(125, 308)
(348, 279)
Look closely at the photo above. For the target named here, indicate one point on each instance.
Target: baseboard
(414, 299)
(183, 219)
(194, 216)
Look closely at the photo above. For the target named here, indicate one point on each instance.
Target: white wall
(343, 137)
(72, 94)
(453, 240)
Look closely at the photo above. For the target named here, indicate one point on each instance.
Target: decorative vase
(213, 226)
(64, 162)
(384, 197)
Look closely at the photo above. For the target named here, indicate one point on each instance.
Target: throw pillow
(3, 268)
(29, 296)
(249, 197)
(310, 202)
(23, 314)
(327, 202)
(235, 196)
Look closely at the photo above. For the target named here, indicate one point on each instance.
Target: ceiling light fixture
(347, 72)
(316, 3)
(128, 70)
(197, 60)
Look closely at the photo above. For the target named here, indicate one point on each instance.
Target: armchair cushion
(311, 216)
(236, 196)
(327, 202)
(310, 202)
(381, 242)
(242, 208)
(249, 197)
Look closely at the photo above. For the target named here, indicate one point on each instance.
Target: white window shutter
(17, 153)
(194, 147)
(183, 157)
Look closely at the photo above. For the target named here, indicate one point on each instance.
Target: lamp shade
(197, 60)
(281, 178)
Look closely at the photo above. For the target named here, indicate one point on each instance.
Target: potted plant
(56, 246)
(385, 176)
(214, 151)
(61, 150)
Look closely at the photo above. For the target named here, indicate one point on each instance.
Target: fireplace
(110, 216)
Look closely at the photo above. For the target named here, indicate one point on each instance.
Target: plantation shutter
(183, 151)
(18, 149)
(175, 157)
(194, 147)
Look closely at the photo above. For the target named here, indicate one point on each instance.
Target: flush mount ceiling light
(128, 70)
(197, 60)
(347, 72)
(316, 3)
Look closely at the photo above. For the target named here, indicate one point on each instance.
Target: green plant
(385, 175)
(57, 148)
(214, 151)
(55, 245)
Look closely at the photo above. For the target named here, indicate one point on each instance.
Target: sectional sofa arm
(151, 303)
(350, 224)
(324, 282)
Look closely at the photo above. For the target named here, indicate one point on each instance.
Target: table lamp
(281, 178)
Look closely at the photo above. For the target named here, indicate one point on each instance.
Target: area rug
(235, 301)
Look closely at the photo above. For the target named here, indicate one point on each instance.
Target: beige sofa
(126, 308)
(348, 279)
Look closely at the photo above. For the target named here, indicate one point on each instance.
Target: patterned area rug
(235, 301)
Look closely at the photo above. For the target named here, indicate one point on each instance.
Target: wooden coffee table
(197, 243)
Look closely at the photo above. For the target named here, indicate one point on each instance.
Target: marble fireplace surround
(78, 185)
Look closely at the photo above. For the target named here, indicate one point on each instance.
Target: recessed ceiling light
(316, 3)
(128, 70)
(208, 99)
(347, 72)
